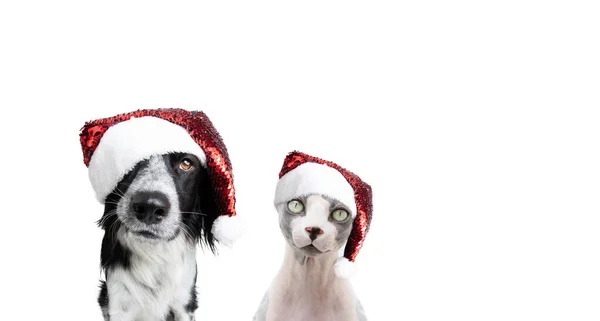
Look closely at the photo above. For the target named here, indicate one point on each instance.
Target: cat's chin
(311, 250)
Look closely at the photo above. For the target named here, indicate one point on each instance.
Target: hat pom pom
(344, 268)
(227, 229)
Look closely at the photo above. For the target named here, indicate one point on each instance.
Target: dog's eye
(339, 215)
(186, 164)
(295, 206)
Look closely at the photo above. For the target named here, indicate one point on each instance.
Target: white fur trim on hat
(227, 229)
(344, 268)
(313, 178)
(125, 144)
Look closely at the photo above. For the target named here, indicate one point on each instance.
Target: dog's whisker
(106, 217)
(103, 220)
(112, 231)
(119, 192)
(185, 232)
(194, 213)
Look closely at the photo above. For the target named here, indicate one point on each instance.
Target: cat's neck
(307, 288)
(312, 273)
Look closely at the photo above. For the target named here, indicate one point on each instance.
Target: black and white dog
(153, 220)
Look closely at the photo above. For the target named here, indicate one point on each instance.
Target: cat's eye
(186, 164)
(295, 206)
(339, 215)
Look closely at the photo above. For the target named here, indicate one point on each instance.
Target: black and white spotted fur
(306, 287)
(149, 263)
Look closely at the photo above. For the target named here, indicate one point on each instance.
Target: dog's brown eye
(186, 164)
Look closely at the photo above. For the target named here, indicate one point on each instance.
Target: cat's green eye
(295, 206)
(339, 215)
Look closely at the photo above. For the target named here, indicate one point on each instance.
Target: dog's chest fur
(157, 284)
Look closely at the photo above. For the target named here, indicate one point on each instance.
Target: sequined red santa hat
(303, 174)
(113, 146)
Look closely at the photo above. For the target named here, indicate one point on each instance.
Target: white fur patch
(159, 278)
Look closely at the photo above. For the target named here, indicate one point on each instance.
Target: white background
(476, 123)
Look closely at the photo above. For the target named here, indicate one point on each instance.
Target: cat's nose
(313, 232)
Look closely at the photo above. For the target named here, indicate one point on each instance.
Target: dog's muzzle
(150, 207)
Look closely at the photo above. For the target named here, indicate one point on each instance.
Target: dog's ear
(205, 203)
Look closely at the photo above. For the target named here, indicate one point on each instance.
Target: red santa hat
(113, 146)
(303, 174)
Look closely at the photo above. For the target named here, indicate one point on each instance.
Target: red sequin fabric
(202, 132)
(363, 197)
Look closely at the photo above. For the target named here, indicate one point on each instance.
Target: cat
(316, 228)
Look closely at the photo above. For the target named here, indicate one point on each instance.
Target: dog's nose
(150, 207)
(313, 232)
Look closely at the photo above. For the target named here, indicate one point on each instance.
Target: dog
(153, 221)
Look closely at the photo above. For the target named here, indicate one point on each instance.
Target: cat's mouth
(312, 250)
